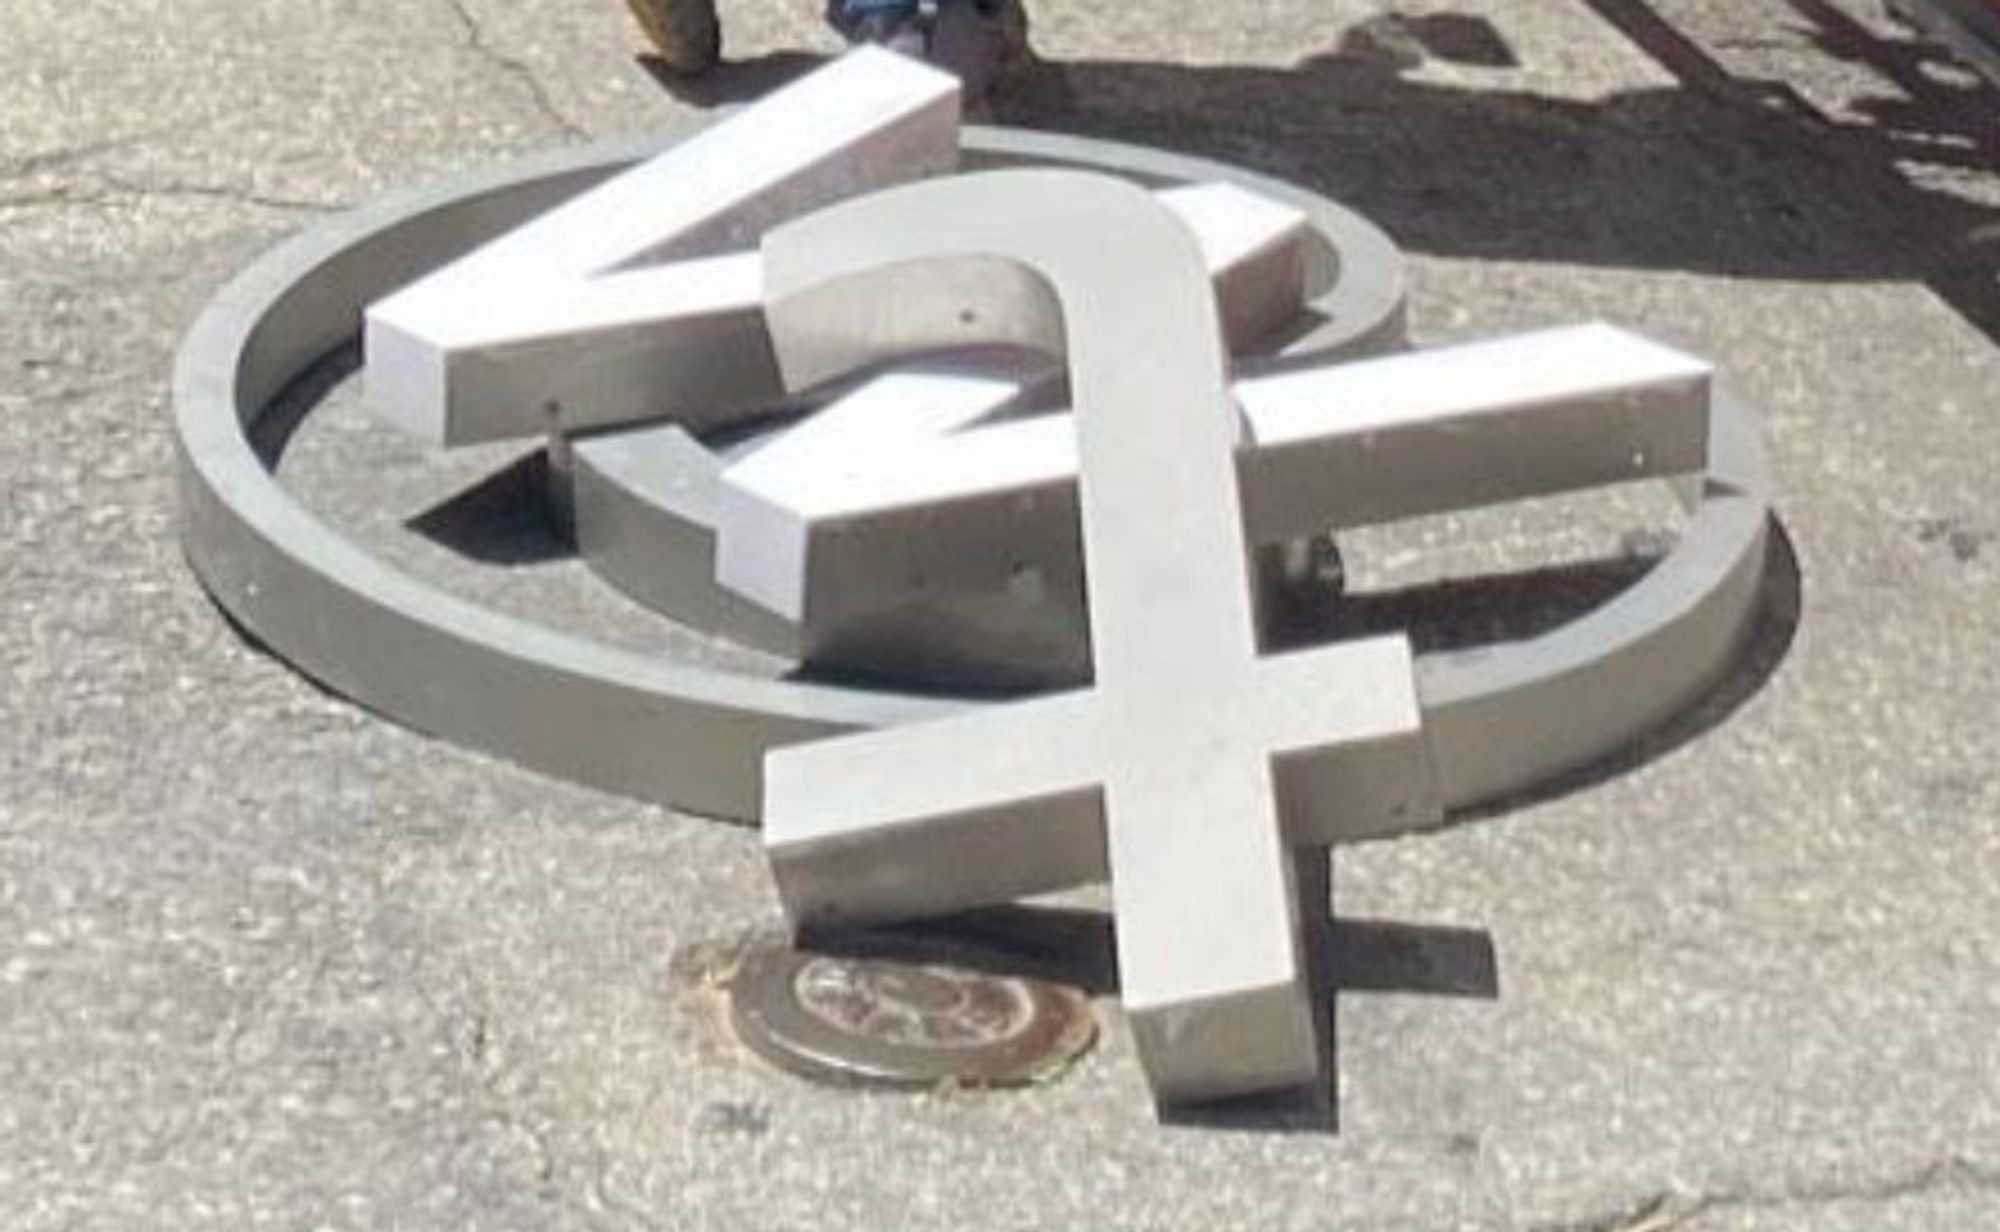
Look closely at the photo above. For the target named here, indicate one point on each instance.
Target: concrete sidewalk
(269, 962)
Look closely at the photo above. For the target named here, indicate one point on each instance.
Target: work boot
(685, 33)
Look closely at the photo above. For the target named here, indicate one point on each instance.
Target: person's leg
(980, 40)
(684, 33)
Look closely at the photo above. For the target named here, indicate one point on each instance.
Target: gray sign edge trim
(1501, 719)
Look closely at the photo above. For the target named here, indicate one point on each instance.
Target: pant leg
(846, 15)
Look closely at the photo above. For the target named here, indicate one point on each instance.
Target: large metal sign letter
(573, 321)
(1203, 763)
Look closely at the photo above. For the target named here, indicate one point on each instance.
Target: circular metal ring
(1500, 718)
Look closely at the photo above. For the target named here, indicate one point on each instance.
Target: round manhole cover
(893, 1012)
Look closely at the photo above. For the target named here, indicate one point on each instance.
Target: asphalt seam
(117, 190)
(1669, 1211)
(44, 161)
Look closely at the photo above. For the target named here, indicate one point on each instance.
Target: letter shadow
(1508, 607)
(1076, 947)
(501, 520)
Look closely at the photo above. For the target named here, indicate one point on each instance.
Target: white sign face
(831, 519)
(641, 297)
(1193, 770)
(898, 443)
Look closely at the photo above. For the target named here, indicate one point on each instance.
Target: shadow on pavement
(1076, 947)
(1717, 174)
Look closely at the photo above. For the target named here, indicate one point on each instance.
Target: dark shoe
(897, 31)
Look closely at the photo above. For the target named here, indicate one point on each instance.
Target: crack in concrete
(1668, 1211)
(116, 190)
(224, 192)
(517, 69)
(117, 383)
(23, 202)
(69, 155)
(560, 1177)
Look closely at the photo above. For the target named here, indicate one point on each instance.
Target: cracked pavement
(269, 962)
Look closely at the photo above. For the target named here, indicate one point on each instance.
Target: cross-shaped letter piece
(1192, 768)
